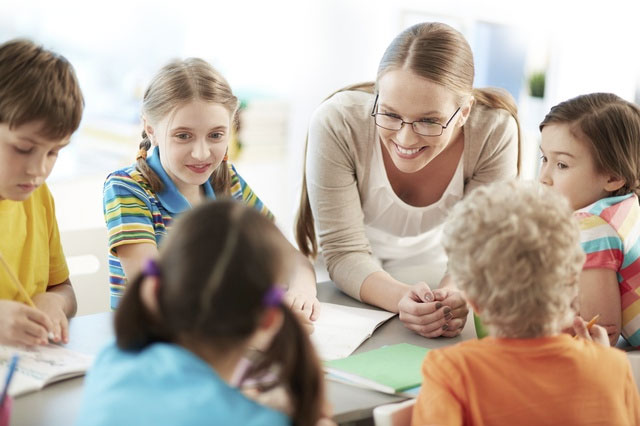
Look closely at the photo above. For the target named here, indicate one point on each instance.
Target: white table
(59, 403)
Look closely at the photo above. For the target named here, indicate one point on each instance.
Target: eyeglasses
(421, 127)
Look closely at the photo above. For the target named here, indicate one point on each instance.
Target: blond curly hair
(514, 249)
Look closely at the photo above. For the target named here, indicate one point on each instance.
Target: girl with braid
(188, 111)
(189, 322)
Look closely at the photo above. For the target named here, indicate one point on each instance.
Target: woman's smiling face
(405, 95)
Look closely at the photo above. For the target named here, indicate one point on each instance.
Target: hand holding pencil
(591, 330)
(22, 324)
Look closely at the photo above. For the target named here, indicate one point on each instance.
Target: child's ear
(150, 132)
(614, 183)
(473, 306)
(268, 327)
(271, 319)
(149, 294)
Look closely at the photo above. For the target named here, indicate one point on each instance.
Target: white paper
(341, 329)
(41, 365)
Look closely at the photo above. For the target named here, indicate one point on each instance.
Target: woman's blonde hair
(177, 83)
(611, 128)
(514, 249)
(431, 50)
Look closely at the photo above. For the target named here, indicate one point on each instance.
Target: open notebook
(41, 365)
(341, 329)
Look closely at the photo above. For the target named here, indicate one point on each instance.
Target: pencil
(21, 289)
(12, 368)
(17, 282)
(592, 322)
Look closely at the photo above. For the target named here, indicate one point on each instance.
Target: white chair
(398, 414)
(86, 253)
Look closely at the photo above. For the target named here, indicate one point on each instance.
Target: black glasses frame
(402, 122)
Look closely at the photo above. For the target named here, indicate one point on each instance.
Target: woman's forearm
(382, 290)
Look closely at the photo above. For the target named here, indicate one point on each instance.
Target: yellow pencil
(592, 322)
(20, 288)
(17, 282)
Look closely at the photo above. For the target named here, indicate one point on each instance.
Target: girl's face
(405, 95)
(192, 141)
(568, 168)
(26, 159)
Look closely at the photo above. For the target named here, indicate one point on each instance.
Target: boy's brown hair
(37, 84)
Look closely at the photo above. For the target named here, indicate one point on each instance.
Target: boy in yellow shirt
(40, 107)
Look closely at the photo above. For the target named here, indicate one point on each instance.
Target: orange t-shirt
(546, 381)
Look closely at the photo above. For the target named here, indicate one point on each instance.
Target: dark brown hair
(38, 85)
(611, 128)
(214, 272)
(177, 83)
(433, 51)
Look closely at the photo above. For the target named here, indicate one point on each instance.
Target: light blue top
(164, 384)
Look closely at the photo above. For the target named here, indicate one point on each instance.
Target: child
(188, 110)
(514, 250)
(185, 323)
(40, 107)
(591, 155)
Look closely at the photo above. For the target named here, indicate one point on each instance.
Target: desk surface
(59, 403)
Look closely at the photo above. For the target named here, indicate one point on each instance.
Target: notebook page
(341, 329)
(41, 365)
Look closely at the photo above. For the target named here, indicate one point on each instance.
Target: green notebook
(394, 369)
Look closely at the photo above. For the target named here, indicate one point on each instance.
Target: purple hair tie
(151, 269)
(273, 297)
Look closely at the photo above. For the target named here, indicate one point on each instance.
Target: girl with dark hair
(188, 320)
(591, 155)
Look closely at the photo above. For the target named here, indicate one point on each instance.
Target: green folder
(394, 369)
(481, 330)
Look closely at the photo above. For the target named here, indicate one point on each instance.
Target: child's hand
(596, 333)
(326, 415)
(303, 301)
(276, 398)
(23, 325)
(52, 304)
(304, 321)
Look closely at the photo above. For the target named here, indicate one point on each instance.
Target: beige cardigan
(342, 135)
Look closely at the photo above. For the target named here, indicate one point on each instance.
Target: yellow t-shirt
(30, 243)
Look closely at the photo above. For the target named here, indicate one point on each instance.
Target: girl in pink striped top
(591, 154)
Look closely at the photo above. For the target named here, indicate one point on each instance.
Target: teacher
(386, 162)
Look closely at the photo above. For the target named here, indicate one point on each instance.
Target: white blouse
(406, 240)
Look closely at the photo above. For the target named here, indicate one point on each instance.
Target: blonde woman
(385, 163)
(187, 110)
(523, 282)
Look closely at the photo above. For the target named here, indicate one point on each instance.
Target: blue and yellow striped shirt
(134, 213)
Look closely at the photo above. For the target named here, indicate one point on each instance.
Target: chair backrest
(398, 414)
(86, 253)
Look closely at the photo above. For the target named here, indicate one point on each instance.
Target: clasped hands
(433, 313)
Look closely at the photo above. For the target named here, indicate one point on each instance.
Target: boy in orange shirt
(40, 107)
(514, 249)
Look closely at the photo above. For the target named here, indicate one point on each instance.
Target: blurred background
(283, 57)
